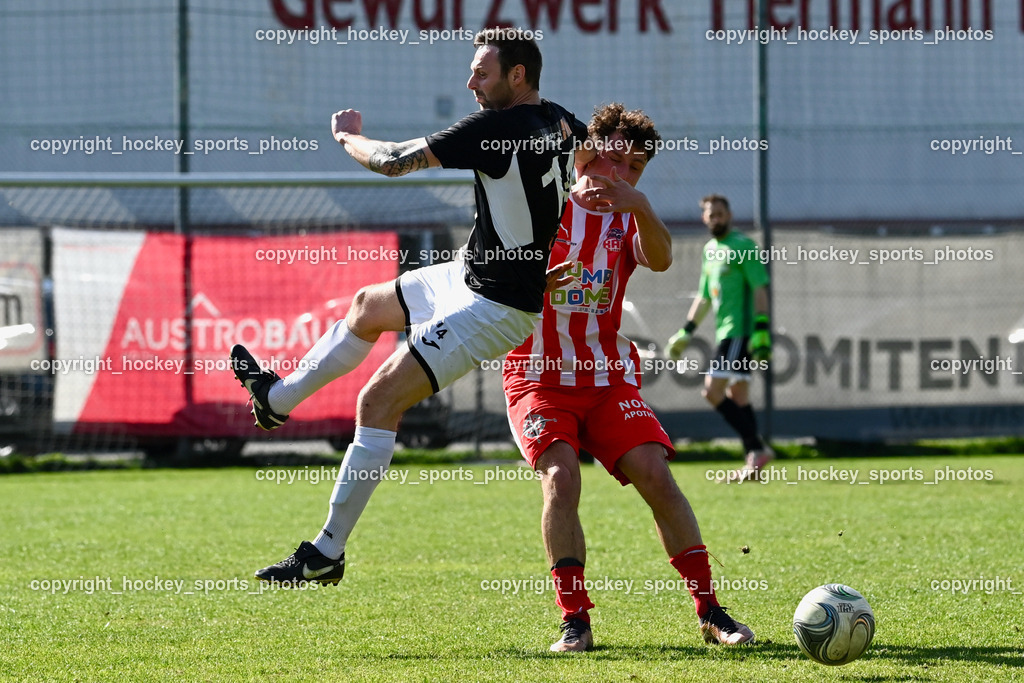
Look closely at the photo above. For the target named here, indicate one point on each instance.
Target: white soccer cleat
(718, 628)
(751, 470)
(576, 637)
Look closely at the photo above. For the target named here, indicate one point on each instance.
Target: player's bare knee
(560, 480)
(648, 471)
(645, 463)
(375, 309)
(377, 407)
(738, 393)
(561, 489)
(361, 315)
(399, 384)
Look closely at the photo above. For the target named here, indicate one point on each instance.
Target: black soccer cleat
(305, 564)
(257, 382)
(719, 628)
(576, 636)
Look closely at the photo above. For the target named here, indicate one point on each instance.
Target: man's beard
(718, 229)
(499, 98)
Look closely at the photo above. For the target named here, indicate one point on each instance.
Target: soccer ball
(834, 624)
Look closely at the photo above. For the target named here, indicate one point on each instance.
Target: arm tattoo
(395, 159)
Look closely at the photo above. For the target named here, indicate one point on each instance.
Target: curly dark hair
(635, 126)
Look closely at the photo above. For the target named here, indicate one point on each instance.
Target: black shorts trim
(405, 306)
(408, 338)
(423, 364)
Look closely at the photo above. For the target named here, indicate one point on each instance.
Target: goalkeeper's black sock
(753, 442)
(731, 412)
(743, 421)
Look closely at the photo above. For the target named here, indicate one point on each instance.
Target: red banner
(275, 295)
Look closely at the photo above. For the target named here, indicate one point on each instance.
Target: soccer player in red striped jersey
(574, 384)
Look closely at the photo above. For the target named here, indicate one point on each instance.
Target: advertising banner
(122, 356)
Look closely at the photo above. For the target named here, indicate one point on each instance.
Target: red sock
(692, 564)
(571, 593)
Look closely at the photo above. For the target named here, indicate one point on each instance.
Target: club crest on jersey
(533, 425)
(614, 240)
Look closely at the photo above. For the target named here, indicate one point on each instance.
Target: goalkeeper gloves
(680, 340)
(760, 345)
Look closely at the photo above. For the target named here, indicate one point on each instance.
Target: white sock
(338, 352)
(366, 460)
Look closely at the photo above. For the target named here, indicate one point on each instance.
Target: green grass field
(90, 561)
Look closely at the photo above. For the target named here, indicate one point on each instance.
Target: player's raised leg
(375, 310)
(450, 331)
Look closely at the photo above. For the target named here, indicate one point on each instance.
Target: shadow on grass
(637, 653)
(904, 655)
(909, 654)
(640, 653)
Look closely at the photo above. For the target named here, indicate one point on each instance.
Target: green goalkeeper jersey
(731, 270)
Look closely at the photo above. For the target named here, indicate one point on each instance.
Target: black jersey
(523, 160)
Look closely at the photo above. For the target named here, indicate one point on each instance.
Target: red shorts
(604, 421)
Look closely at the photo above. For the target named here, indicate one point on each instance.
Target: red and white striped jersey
(577, 341)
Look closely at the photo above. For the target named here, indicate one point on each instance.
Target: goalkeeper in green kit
(734, 280)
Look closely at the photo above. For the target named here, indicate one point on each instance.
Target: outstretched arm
(387, 158)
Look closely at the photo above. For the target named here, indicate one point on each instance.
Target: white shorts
(451, 329)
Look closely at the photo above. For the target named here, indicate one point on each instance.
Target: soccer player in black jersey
(522, 150)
